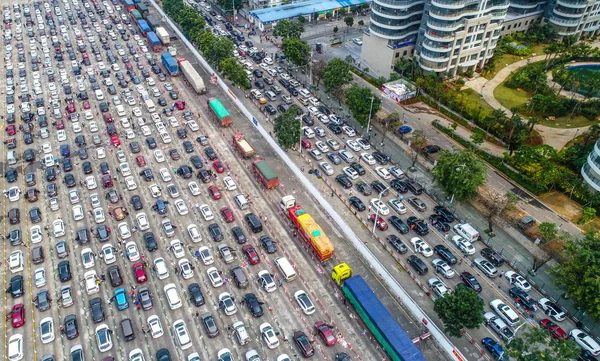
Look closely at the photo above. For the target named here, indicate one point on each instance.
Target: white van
(15, 261)
(467, 232)
(99, 94)
(505, 312)
(11, 157)
(286, 269)
(241, 201)
(150, 107)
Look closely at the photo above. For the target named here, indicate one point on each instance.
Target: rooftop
(269, 15)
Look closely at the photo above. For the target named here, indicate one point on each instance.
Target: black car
(204, 175)
(304, 344)
(364, 188)
(253, 305)
(147, 174)
(357, 203)
(29, 155)
(14, 237)
(259, 84)
(185, 171)
(397, 243)
(307, 119)
(35, 215)
(82, 236)
(173, 95)
(209, 324)
(104, 168)
(102, 233)
(69, 180)
(445, 254)
(16, 287)
(431, 149)
(418, 225)
(151, 142)
(358, 168)
(438, 222)
(381, 158)
(494, 257)
(268, 244)
(71, 329)
(417, 264)
(586, 355)
(443, 212)
(103, 107)
(83, 153)
(344, 181)
(402, 227)
(114, 274)
(182, 133)
(97, 310)
(112, 196)
(399, 186)
(270, 109)
(380, 188)
(162, 102)
(470, 281)
(210, 153)
(215, 232)
(238, 235)
(67, 164)
(196, 161)
(196, 296)
(134, 147)
(336, 129)
(64, 271)
(150, 242)
(257, 73)
(87, 167)
(50, 174)
(136, 202)
(523, 298)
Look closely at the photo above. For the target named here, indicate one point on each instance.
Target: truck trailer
(152, 21)
(153, 41)
(242, 145)
(170, 63)
(219, 111)
(192, 76)
(143, 26)
(266, 175)
(163, 35)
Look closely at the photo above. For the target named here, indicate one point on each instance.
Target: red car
(227, 214)
(325, 332)
(180, 105)
(114, 139)
(554, 329)
(107, 117)
(11, 129)
(139, 272)
(218, 166)
(71, 108)
(86, 105)
(107, 181)
(140, 160)
(251, 254)
(214, 192)
(17, 315)
(381, 223)
(306, 144)
(59, 124)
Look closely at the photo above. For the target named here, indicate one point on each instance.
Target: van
(505, 312)
(496, 324)
(150, 107)
(271, 96)
(99, 94)
(253, 222)
(127, 329)
(15, 261)
(467, 232)
(239, 277)
(346, 156)
(286, 269)
(37, 255)
(11, 157)
(241, 201)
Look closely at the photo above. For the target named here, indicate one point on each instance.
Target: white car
(185, 268)
(35, 234)
(465, 246)
(155, 326)
(368, 158)
(194, 233)
(304, 302)
(66, 296)
(215, 277)
(154, 190)
(142, 221)
(182, 334)
(94, 200)
(124, 231)
(78, 212)
(397, 206)
(87, 258)
(379, 207)
(267, 281)
(46, 148)
(108, 253)
(161, 268)
(132, 251)
(130, 183)
(421, 247)
(165, 174)
(396, 172)
(348, 131)
(443, 267)
(136, 355)
(206, 256)
(74, 196)
(14, 194)
(227, 304)
(91, 286)
(61, 135)
(229, 184)
(90, 182)
(206, 212)
(93, 127)
(585, 341)
(194, 189)
(103, 338)
(47, 330)
(181, 207)
(438, 287)
(552, 309)
(322, 146)
(383, 173)
(100, 153)
(364, 144)
(516, 279)
(327, 168)
(353, 144)
(124, 169)
(136, 112)
(268, 335)
(177, 248)
(172, 296)
(159, 155)
(350, 172)
(40, 277)
(58, 227)
(98, 215)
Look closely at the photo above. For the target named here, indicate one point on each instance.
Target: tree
(361, 23)
(535, 345)
(391, 122)
(301, 19)
(478, 137)
(234, 71)
(318, 71)
(359, 100)
(220, 49)
(337, 73)
(205, 41)
(460, 173)
(296, 51)
(463, 308)
(226, 4)
(495, 204)
(589, 213)
(329, 15)
(548, 231)
(288, 29)
(579, 272)
(349, 20)
(335, 29)
(287, 128)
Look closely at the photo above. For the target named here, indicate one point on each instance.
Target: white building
(591, 169)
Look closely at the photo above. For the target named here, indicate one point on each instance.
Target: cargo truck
(129, 4)
(152, 21)
(219, 111)
(242, 145)
(135, 15)
(144, 27)
(392, 338)
(153, 41)
(170, 63)
(310, 231)
(266, 175)
(142, 8)
(192, 76)
(163, 35)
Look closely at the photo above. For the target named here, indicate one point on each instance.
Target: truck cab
(341, 272)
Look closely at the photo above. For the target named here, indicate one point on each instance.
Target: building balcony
(524, 4)
(502, 4)
(453, 4)
(399, 4)
(439, 35)
(590, 177)
(568, 14)
(393, 24)
(498, 14)
(390, 34)
(574, 4)
(434, 57)
(433, 66)
(563, 22)
(444, 25)
(444, 14)
(397, 14)
(437, 46)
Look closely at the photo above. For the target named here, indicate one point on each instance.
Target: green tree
(301, 19)
(205, 41)
(233, 70)
(288, 29)
(478, 137)
(548, 231)
(589, 213)
(226, 4)
(361, 23)
(329, 15)
(536, 345)
(391, 122)
(296, 51)
(463, 308)
(342, 12)
(359, 99)
(220, 49)
(335, 29)
(337, 73)
(349, 20)
(287, 128)
(460, 173)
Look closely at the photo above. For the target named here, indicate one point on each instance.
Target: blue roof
(269, 15)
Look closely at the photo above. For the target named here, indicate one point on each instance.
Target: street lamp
(370, 112)
(377, 213)
(300, 144)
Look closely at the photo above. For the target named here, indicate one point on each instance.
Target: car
(462, 244)
(523, 298)
(438, 287)
(227, 214)
(47, 330)
(71, 329)
(251, 255)
(417, 264)
(268, 335)
(383, 173)
(304, 302)
(494, 257)
(421, 247)
(398, 206)
(205, 255)
(517, 280)
(379, 206)
(64, 271)
(215, 277)
(494, 348)
(156, 330)
(486, 267)
(227, 304)
(555, 330)
(131, 251)
(17, 315)
(446, 254)
(267, 281)
(39, 275)
(440, 266)
(124, 231)
(209, 325)
(552, 309)
(470, 281)
(195, 293)
(444, 213)
(397, 223)
(379, 221)
(214, 192)
(183, 337)
(438, 222)
(268, 244)
(229, 184)
(181, 207)
(417, 203)
(186, 269)
(87, 258)
(194, 188)
(303, 344)
(145, 298)
(97, 310)
(357, 203)
(103, 338)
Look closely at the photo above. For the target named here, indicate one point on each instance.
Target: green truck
(152, 21)
(267, 176)
(219, 111)
(135, 15)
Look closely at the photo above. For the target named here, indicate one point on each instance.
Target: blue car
(494, 348)
(160, 207)
(121, 299)
(405, 129)
(65, 151)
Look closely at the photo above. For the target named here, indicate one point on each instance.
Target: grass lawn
(476, 98)
(508, 59)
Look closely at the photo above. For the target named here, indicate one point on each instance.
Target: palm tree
(532, 122)
(593, 85)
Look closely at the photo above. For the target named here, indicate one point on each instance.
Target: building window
(462, 60)
(519, 25)
(509, 27)
(453, 62)
(397, 55)
(526, 22)
(404, 53)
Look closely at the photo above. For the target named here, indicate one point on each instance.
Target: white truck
(192, 76)
(162, 35)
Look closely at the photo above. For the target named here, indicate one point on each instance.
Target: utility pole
(370, 112)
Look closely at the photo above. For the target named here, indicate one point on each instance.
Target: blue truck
(393, 339)
(154, 41)
(170, 63)
(144, 27)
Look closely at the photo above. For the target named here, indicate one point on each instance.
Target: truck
(390, 335)
(170, 63)
(129, 4)
(152, 21)
(135, 15)
(266, 175)
(242, 145)
(192, 76)
(153, 41)
(163, 35)
(144, 27)
(310, 230)
(219, 111)
(142, 8)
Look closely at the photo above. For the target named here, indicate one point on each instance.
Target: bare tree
(495, 204)
(539, 260)
(417, 140)
(318, 71)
